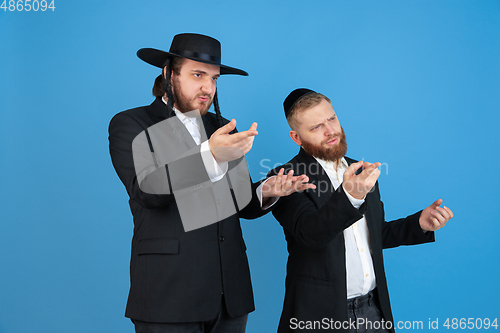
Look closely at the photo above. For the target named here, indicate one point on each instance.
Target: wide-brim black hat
(195, 47)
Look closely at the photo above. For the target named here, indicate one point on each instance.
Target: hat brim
(157, 58)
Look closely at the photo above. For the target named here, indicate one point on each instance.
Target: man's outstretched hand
(282, 185)
(227, 147)
(359, 185)
(435, 217)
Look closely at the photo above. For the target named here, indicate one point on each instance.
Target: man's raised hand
(358, 186)
(435, 217)
(282, 185)
(227, 147)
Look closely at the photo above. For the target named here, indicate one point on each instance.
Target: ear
(172, 74)
(295, 137)
(165, 72)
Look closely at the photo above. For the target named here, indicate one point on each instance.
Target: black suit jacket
(313, 222)
(178, 276)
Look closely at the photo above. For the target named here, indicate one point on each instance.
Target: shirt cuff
(215, 170)
(355, 202)
(271, 201)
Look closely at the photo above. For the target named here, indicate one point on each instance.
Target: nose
(329, 130)
(208, 86)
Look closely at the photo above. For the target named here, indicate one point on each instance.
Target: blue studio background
(415, 84)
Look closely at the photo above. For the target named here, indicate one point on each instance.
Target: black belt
(367, 299)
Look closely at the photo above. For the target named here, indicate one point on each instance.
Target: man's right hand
(227, 147)
(358, 186)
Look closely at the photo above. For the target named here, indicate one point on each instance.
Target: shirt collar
(182, 117)
(329, 165)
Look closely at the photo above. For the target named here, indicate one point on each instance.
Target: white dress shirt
(360, 275)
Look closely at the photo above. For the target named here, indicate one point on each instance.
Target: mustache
(205, 95)
(330, 138)
(340, 136)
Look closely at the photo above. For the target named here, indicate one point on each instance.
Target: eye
(198, 75)
(315, 127)
(215, 79)
(333, 118)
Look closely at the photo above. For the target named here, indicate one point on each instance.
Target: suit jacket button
(221, 238)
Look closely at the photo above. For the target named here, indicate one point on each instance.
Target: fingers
(435, 223)
(280, 184)
(221, 141)
(241, 136)
(370, 173)
(439, 216)
(437, 219)
(442, 214)
(368, 168)
(300, 183)
(437, 203)
(445, 213)
(290, 183)
(287, 184)
(351, 170)
(227, 128)
(449, 212)
(279, 177)
(253, 127)
(438, 212)
(284, 183)
(244, 145)
(252, 131)
(436, 216)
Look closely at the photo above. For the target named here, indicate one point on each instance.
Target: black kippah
(293, 98)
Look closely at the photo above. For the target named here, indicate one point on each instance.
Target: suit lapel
(208, 125)
(368, 216)
(317, 176)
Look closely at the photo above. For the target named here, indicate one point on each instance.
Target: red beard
(332, 154)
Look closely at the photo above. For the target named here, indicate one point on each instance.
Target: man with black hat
(336, 232)
(185, 172)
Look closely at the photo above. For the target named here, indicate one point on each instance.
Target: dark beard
(332, 154)
(183, 105)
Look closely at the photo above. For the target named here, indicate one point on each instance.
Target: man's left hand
(435, 217)
(282, 185)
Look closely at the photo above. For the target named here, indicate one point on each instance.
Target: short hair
(308, 101)
(158, 87)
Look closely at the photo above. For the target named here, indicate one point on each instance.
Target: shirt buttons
(219, 201)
